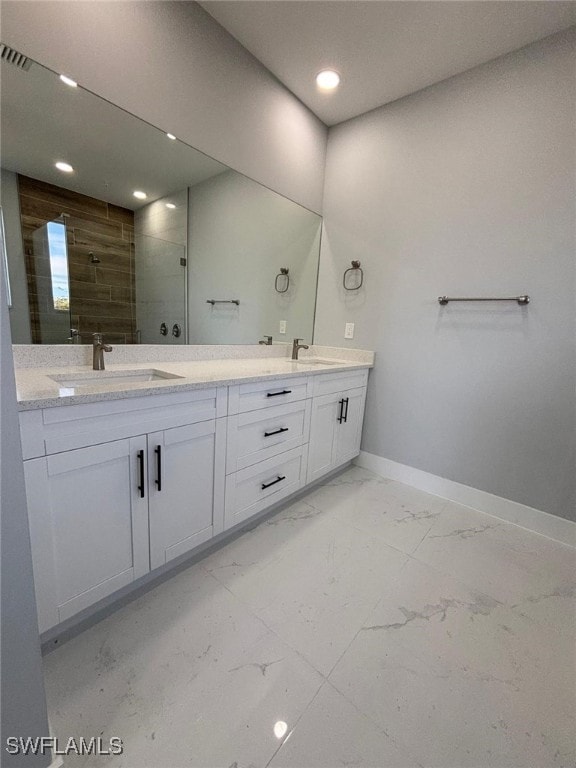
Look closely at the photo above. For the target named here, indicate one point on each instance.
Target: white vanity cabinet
(104, 514)
(119, 488)
(336, 425)
(88, 526)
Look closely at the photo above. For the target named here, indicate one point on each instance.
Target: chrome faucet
(296, 347)
(98, 349)
(268, 340)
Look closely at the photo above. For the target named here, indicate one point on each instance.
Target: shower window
(57, 253)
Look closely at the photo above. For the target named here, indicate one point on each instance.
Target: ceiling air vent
(14, 57)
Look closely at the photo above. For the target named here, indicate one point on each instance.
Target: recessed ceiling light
(140, 195)
(327, 79)
(170, 205)
(65, 167)
(171, 136)
(69, 81)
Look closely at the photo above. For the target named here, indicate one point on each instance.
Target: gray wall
(173, 65)
(19, 313)
(466, 188)
(23, 703)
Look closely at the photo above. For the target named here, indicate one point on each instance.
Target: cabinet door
(88, 525)
(322, 435)
(349, 429)
(186, 482)
(335, 430)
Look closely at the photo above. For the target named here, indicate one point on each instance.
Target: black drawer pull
(347, 401)
(275, 394)
(140, 456)
(158, 452)
(276, 432)
(278, 480)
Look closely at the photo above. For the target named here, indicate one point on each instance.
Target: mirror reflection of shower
(160, 290)
(160, 259)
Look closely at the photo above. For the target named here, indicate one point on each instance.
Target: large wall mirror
(201, 254)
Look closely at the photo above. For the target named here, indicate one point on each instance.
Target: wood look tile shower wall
(102, 295)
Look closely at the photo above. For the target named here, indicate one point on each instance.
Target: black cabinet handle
(140, 456)
(275, 394)
(276, 432)
(343, 415)
(278, 480)
(347, 401)
(158, 452)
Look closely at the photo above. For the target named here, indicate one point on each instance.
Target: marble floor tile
(460, 680)
(185, 676)
(367, 624)
(534, 574)
(332, 732)
(316, 591)
(400, 515)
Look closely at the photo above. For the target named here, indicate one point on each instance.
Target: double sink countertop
(47, 385)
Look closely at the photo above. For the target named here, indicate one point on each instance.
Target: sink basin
(111, 377)
(314, 361)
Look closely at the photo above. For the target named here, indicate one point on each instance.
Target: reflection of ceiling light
(327, 79)
(171, 136)
(170, 205)
(69, 81)
(66, 167)
(280, 729)
(140, 195)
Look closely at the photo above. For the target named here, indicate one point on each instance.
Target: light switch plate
(282, 326)
(349, 331)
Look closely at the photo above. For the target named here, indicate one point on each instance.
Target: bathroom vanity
(125, 476)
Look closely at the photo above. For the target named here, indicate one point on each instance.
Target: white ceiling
(383, 49)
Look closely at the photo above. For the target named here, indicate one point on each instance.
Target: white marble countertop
(36, 388)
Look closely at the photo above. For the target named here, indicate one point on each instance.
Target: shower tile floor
(369, 624)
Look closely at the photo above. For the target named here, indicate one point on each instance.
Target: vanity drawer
(66, 428)
(267, 394)
(254, 489)
(258, 435)
(329, 383)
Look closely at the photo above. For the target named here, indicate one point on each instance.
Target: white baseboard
(535, 520)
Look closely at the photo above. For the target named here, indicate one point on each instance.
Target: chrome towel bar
(520, 299)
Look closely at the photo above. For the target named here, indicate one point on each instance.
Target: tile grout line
(377, 726)
(324, 678)
(306, 708)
